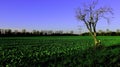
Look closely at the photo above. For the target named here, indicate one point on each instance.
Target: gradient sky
(51, 14)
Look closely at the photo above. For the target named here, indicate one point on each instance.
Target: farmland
(59, 51)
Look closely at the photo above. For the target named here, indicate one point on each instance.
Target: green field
(59, 51)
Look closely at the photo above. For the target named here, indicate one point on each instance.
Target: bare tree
(90, 15)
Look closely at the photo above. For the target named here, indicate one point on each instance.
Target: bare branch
(90, 16)
(80, 15)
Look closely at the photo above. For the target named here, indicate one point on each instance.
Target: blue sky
(51, 14)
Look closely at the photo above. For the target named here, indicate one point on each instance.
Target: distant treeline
(103, 34)
(9, 33)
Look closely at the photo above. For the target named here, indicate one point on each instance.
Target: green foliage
(58, 51)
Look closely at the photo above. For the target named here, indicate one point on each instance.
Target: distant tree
(9, 31)
(6, 31)
(100, 31)
(107, 30)
(50, 32)
(16, 31)
(24, 31)
(90, 16)
(118, 31)
(59, 32)
(38, 32)
(34, 32)
(71, 32)
(44, 32)
(2, 31)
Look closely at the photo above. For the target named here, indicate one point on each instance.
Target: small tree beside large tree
(90, 15)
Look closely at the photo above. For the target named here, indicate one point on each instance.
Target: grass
(59, 51)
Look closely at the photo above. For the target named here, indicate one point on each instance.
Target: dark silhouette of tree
(24, 31)
(8, 32)
(38, 32)
(34, 32)
(16, 31)
(90, 15)
(44, 32)
(2, 31)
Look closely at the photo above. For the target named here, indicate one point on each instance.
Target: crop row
(48, 51)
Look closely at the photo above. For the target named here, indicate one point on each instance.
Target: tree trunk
(96, 41)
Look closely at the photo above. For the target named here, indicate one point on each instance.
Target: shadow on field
(114, 46)
(101, 47)
(104, 56)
